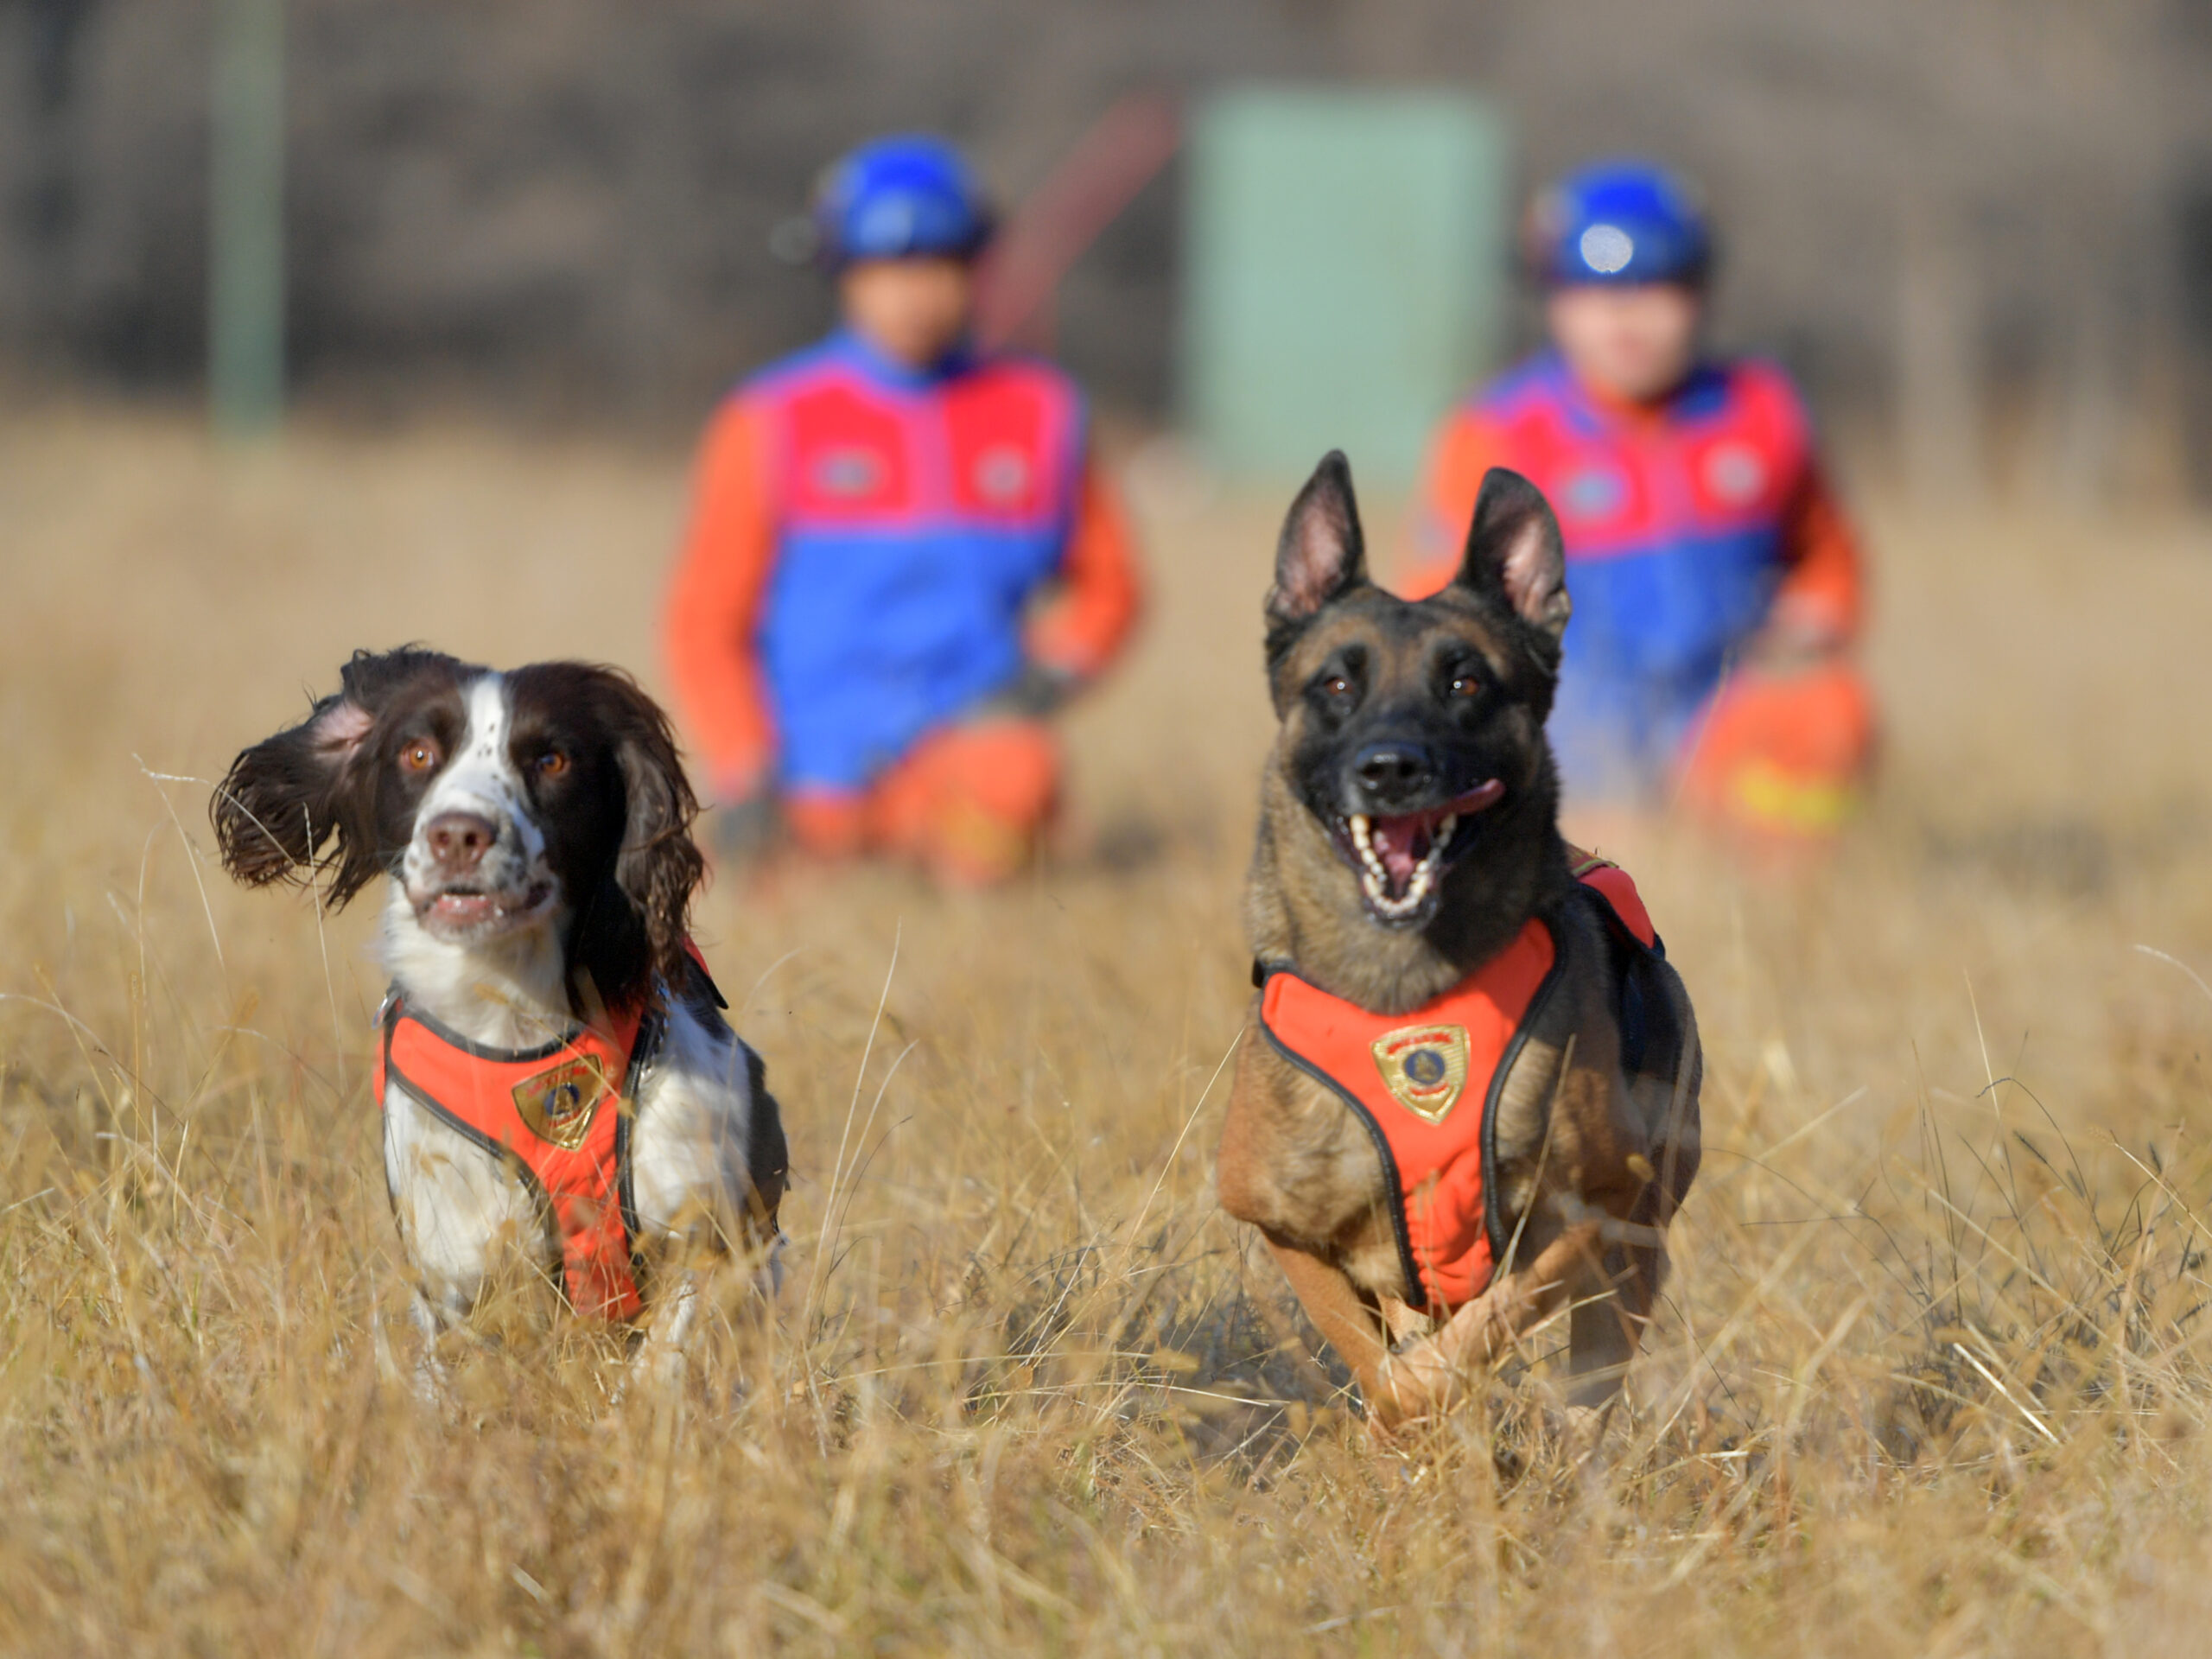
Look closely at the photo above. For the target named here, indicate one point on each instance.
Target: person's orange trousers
(968, 803)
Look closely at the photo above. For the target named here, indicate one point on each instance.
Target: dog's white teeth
(1364, 844)
(1375, 875)
(1376, 886)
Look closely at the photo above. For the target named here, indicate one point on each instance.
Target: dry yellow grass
(1931, 1378)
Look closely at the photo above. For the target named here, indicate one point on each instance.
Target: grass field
(1930, 1379)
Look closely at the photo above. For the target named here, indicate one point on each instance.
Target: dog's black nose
(458, 841)
(1392, 774)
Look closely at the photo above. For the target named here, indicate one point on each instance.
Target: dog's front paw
(663, 1365)
(1478, 1335)
(1416, 1380)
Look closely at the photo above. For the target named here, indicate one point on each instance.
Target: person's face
(1634, 342)
(914, 310)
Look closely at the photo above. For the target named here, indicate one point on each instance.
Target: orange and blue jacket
(1690, 525)
(1426, 1084)
(875, 550)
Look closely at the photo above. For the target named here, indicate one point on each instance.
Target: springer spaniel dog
(554, 1068)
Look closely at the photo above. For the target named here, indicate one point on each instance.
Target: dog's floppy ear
(1322, 553)
(661, 866)
(1514, 552)
(637, 928)
(278, 805)
(308, 788)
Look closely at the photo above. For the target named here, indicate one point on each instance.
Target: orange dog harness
(559, 1114)
(1427, 1084)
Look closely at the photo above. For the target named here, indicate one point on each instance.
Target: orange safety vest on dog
(559, 1113)
(1427, 1084)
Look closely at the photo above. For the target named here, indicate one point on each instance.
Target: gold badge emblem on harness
(558, 1104)
(1424, 1067)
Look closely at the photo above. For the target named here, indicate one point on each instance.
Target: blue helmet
(909, 195)
(1620, 221)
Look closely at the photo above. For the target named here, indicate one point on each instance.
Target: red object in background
(1047, 234)
(1782, 756)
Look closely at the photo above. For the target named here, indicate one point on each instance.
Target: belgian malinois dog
(1471, 1097)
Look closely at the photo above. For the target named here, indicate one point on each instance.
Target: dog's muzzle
(1401, 857)
(467, 880)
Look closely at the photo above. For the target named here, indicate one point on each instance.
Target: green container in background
(1345, 258)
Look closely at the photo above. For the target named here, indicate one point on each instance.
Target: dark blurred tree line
(1981, 229)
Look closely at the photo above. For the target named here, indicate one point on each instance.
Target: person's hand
(1795, 637)
(1782, 649)
(745, 829)
(1040, 689)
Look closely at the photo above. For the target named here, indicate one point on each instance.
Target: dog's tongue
(1400, 843)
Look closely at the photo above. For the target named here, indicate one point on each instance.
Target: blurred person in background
(902, 557)
(1716, 585)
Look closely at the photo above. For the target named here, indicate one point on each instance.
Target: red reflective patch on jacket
(1005, 438)
(1728, 456)
(995, 446)
(849, 458)
(558, 1111)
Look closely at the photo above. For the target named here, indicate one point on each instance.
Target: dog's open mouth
(1401, 860)
(464, 910)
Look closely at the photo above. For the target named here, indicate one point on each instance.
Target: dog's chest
(1314, 1173)
(462, 1209)
(459, 1208)
(1374, 1135)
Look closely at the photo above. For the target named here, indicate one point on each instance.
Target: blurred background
(1980, 232)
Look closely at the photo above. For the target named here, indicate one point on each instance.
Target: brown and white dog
(535, 826)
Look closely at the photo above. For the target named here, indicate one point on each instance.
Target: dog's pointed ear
(1321, 553)
(1514, 552)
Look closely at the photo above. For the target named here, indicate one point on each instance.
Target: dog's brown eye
(1466, 685)
(1336, 685)
(552, 764)
(419, 756)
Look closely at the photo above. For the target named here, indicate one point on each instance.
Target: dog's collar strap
(396, 1006)
(559, 1113)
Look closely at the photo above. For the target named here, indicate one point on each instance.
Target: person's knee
(994, 789)
(1009, 769)
(828, 824)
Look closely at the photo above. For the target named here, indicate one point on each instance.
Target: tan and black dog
(1471, 1098)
